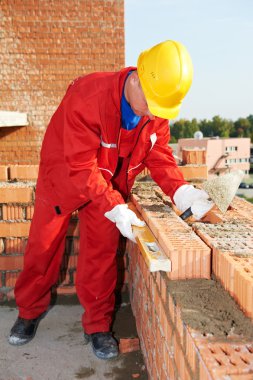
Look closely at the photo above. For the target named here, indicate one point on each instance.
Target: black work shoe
(23, 331)
(103, 344)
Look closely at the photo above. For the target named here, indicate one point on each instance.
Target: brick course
(190, 257)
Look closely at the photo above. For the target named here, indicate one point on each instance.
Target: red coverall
(79, 157)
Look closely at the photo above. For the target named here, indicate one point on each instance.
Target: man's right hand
(124, 219)
(198, 200)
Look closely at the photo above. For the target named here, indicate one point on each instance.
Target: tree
(242, 127)
(183, 128)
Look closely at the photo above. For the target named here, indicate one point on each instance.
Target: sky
(219, 37)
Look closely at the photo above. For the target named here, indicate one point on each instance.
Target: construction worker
(107, 129)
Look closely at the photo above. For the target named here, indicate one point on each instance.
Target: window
(231, 148)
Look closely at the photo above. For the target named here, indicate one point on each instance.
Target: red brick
(129, 345)
(29, 212)
(3, 173)
(194, 172)
(15, 245)
(66, 290)
(2, 247)
(14, 229)
(226, 358)
(12, 212)
(13, 194)
(190, 257)
(194, 156)
(24, 172)
(11, 278)
(11, 262)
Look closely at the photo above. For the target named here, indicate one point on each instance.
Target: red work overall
(79, 159)
(96, 269)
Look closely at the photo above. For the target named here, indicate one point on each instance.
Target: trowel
(221, 191)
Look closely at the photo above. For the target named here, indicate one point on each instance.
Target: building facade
(222, 154)
(44, 45)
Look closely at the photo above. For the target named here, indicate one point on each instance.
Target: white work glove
(188, 196)
(124, 219)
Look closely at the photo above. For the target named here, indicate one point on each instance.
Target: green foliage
(183, 128)
(246, 198)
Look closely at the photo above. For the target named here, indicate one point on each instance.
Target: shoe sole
(21, 342)
(87, 340)
(26, 340)
(101, 356)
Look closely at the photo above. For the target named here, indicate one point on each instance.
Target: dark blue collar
(129, 120)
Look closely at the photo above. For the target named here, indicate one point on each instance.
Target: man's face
(137, 99)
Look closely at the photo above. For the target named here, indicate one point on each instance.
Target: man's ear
(134, 77)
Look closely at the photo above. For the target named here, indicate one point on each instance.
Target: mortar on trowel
(221, 191)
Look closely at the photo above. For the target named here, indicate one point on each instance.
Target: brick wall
(17, 194)
(45, 45)
(173, 348)
(173, 345)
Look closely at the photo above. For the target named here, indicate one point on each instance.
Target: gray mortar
(18, 184)
(229, 237)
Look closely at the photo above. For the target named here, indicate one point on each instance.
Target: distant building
(222, 154)
(174, 148)
(251, 157)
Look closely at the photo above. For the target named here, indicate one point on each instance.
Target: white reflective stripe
(153, 139)
(107, 170)
(135, 167)
(105, 145)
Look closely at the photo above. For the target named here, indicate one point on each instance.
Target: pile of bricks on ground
(17, 194)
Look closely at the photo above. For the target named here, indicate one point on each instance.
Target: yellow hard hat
(165, 72)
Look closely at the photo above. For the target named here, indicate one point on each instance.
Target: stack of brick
(232, 246)
(194, 156)
(17, 194)
(172, 348)
(194, 164)
(16, 211)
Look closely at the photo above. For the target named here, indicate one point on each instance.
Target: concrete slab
(58, 352)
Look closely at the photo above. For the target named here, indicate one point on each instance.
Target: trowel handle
(186, 214)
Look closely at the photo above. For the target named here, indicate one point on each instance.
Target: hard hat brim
(164, 112)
